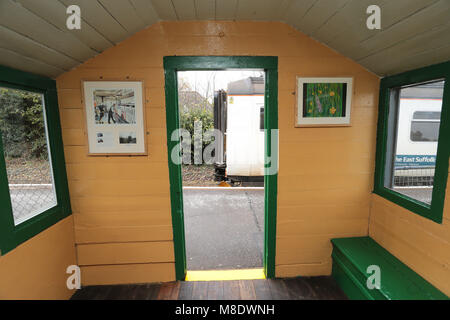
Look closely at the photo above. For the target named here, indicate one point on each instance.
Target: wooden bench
(352, 257)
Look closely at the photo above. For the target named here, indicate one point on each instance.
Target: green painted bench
(352, 256)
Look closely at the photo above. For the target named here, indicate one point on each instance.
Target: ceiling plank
(433, 16)
(165, 9)
(282, 9)
(425, 58)
(185, 9)
(318, 14)
(28, 47)
(256, 9)
(13, 16)
(351, 41)
(125, 14)
(17, 61)
(94, 14)
(145, 10)
(296, 11)
(226, 9)
(412, 30)
(205, 9)
(400, 54)
(54, 12)
(351, 15)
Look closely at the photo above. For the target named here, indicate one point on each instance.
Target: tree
(22, 124)
(194, 107)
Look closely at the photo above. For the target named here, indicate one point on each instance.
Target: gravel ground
(26, 171)
(198, 175)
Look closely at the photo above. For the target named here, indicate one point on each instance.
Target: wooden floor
(305, 288)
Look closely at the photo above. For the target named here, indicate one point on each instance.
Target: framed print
(115, 120)
(323, 102)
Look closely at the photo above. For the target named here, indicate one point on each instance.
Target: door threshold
(224, 275)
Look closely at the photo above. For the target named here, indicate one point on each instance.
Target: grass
(324, 100)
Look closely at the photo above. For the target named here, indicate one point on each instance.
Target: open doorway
(222, 121)
(173, 65)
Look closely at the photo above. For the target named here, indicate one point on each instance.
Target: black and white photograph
(105, 139)
(115, 117)
(115, 106)
(127, 137)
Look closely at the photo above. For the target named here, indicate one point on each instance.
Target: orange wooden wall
(37, 268)
(420, 243)
(121, 205)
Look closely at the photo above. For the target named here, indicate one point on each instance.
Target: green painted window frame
(433, 211)
(172, 65)
(10, 235)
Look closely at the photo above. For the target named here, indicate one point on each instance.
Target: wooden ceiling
(415, 33)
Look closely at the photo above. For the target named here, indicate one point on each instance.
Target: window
(261, 118)
(33, 183)
(413, 171)
(412, 143)
(26, 152)
(425, 126)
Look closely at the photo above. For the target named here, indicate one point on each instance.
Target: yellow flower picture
(324, 100)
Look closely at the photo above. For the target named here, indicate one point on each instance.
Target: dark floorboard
(186, 291)
(262, 290)
(231, 290)
(304, 288)
(278, 289)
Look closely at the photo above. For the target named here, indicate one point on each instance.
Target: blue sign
(415, 160)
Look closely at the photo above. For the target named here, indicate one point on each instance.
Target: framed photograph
(323, 102)
(115, 117)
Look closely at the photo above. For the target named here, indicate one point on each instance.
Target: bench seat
(352, 256)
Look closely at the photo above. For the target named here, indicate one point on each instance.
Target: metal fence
(416, 183)
(31, 187)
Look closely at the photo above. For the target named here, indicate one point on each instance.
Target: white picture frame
(333, 111)
(115, 117)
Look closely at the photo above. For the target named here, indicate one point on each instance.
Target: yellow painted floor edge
(223, 275)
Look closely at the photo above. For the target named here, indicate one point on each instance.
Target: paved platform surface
(421, 194)
(224, 228)
(26, 202)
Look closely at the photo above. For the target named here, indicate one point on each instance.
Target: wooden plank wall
(420, 243)
(122, 204)
(36, 269)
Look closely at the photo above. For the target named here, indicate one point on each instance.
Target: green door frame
(189, 63)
